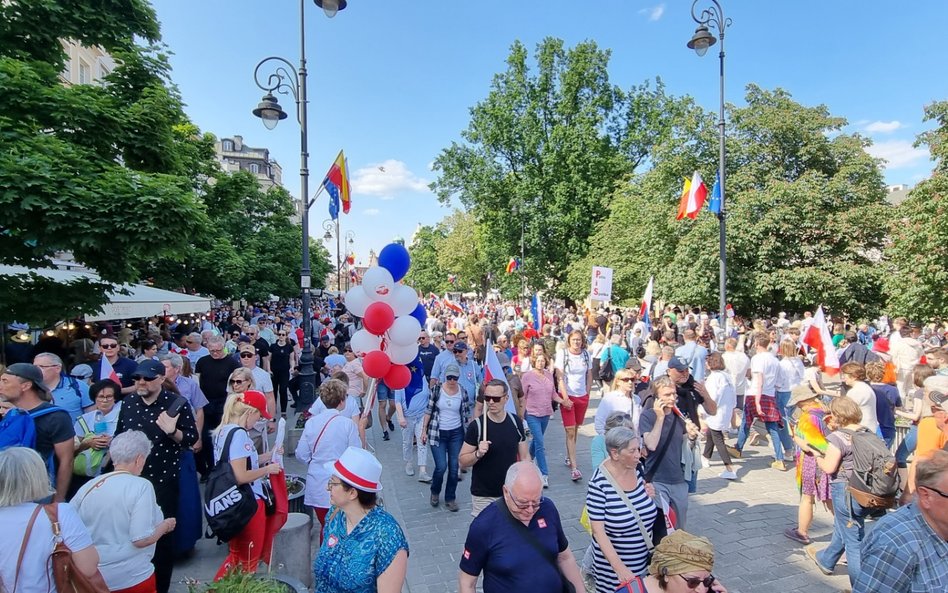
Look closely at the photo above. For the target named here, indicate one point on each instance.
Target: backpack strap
(225, 452)
(45, 411)
(523, 437)
(83, 425)
(26, 538)
(325, 426)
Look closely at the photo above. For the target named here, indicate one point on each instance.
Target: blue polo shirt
(72, 395)
(497, 548)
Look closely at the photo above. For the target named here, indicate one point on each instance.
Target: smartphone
(175, 408)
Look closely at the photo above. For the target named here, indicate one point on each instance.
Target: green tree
(425, 273)
(107, 172)
(917, 281)
(464, 251)
(546, 149)
(805, 215)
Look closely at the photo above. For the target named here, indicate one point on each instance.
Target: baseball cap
(30, 372)
(453, 370)
(256, 400)
(81, 371)
(460, 347)
(940, 399)
(149, 369)
(678, 363)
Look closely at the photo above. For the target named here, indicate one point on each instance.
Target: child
(810, 437)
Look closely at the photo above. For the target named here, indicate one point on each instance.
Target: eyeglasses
(281, 335)
(693, 582)
(143, 378)
(237, 381)
(332, 484)
(216, 351)
(108, 346)
(935, 490)
(47, 366)
(627, 379)
(493, 398)
(451, 378)
(247, 354)
(105, 396)
(523, 505)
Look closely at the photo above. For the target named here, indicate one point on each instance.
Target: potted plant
(237, 581)
(295, 488)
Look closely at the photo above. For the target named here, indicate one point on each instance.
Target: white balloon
(404, 331)
(402, 354)
(357, 301)
(404, 301)
(362, 342)
(378, 284)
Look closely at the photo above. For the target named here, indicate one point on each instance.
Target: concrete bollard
(291, 549)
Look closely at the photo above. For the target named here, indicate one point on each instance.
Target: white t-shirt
(736, 363)
(120, 511)
(350, 410)
(449, 410)
(615, 401)
(574, 371)
(792, 372)
(862, 394)
(722, 391)
(340, 433)
(35, 573)
(240, 447)
(262, 380)
(767, 365)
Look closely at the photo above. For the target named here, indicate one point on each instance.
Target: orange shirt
(930, 437)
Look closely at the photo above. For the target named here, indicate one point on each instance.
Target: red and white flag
(493, 370)
(107, 372)
(693, 196)
(817, 336)
(452, 305)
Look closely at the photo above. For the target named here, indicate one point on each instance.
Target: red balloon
(398, 377)
(378, 318)
(376, 364)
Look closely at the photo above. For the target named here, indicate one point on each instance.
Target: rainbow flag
(336, 183)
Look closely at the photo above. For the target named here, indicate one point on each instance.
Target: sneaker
(795, 535)
(424, 477)
(409, 469)
(385, 436)
(576, 475)
(435, 500)
(727, 475)
(734, 452)
(546, 481)
(451, 505)
(779, 465)
(705, 462)
(391, 425)
(810, 552)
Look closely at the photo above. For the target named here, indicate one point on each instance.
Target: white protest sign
(601, 289)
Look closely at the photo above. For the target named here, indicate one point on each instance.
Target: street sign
(601, 289)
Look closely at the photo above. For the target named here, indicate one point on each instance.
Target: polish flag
(692, 198)
(817, 336)
(106, 371)
(493, 370)
(452, 305)
(646, 305)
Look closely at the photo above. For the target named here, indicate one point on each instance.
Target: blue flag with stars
(333, 198)
(417, 383)
(714, 205)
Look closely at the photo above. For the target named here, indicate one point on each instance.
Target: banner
(601, 289)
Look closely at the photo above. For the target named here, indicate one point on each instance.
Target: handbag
(568, 587)
(636, 585)
(68, 578)
(606, 372)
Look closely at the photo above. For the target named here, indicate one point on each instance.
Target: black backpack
(228, 506)
(606, 372)
(874, 481)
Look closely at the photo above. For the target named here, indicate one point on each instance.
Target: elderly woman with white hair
(123, 517)
(24, 482)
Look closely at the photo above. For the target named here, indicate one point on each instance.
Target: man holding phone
(168, 422)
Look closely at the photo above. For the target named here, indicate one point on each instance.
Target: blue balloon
(394, 258)
(420, 314)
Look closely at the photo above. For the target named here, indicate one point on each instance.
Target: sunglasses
(247, 354)
(237, 381)
(935, 490)
(449, 341)
(493, 398)
(451, 378)
(108, 346)
(627, 379)
(143, 378)
(693, 582)
(281, 335)
(348, 350)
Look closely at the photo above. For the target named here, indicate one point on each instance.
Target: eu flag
(714, 205)
(417, 383)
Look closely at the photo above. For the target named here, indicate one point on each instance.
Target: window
(255, 168)
(228, 145)
(67, 70)
(85, 73)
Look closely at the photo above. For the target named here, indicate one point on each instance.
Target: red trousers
(253, 544)
(146, 586)
(321, 517)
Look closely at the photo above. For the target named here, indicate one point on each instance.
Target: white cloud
(387, 178)
(898, 154)
(371, 211)
(655, 12)
(883, 127)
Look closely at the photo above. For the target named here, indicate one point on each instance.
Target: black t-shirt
(51, 428)
(214, 373)
(263, 349)
(427, 354)
(163, 462)
(505, 437)
(280, 356)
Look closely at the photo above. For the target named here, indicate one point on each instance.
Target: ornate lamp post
(700, 42)
(285, 79)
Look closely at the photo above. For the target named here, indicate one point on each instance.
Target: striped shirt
(604, 504)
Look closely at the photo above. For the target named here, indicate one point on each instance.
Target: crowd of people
(128, 425)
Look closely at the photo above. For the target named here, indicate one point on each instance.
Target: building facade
(234, 155)
(85, 65)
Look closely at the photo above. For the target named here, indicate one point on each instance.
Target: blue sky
(391, 82)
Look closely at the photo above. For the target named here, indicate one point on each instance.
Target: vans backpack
(874, 482)
(228, 506)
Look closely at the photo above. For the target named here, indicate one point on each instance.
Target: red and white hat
(257, 400)
(358, 468)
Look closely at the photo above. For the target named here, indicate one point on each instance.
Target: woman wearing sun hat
(254, 542)
(364, 549)
(681, 563)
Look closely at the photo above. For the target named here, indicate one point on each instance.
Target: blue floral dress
(351, 563)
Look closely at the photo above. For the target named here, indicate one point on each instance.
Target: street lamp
(350, 239)
(332, 230)
(700, 42)
(285, 79)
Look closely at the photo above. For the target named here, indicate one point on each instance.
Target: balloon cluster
(392, 319)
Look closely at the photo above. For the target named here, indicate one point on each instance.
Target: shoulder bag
(567, 587)
(650, 539)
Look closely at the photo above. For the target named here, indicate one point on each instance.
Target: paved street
(744, 519)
